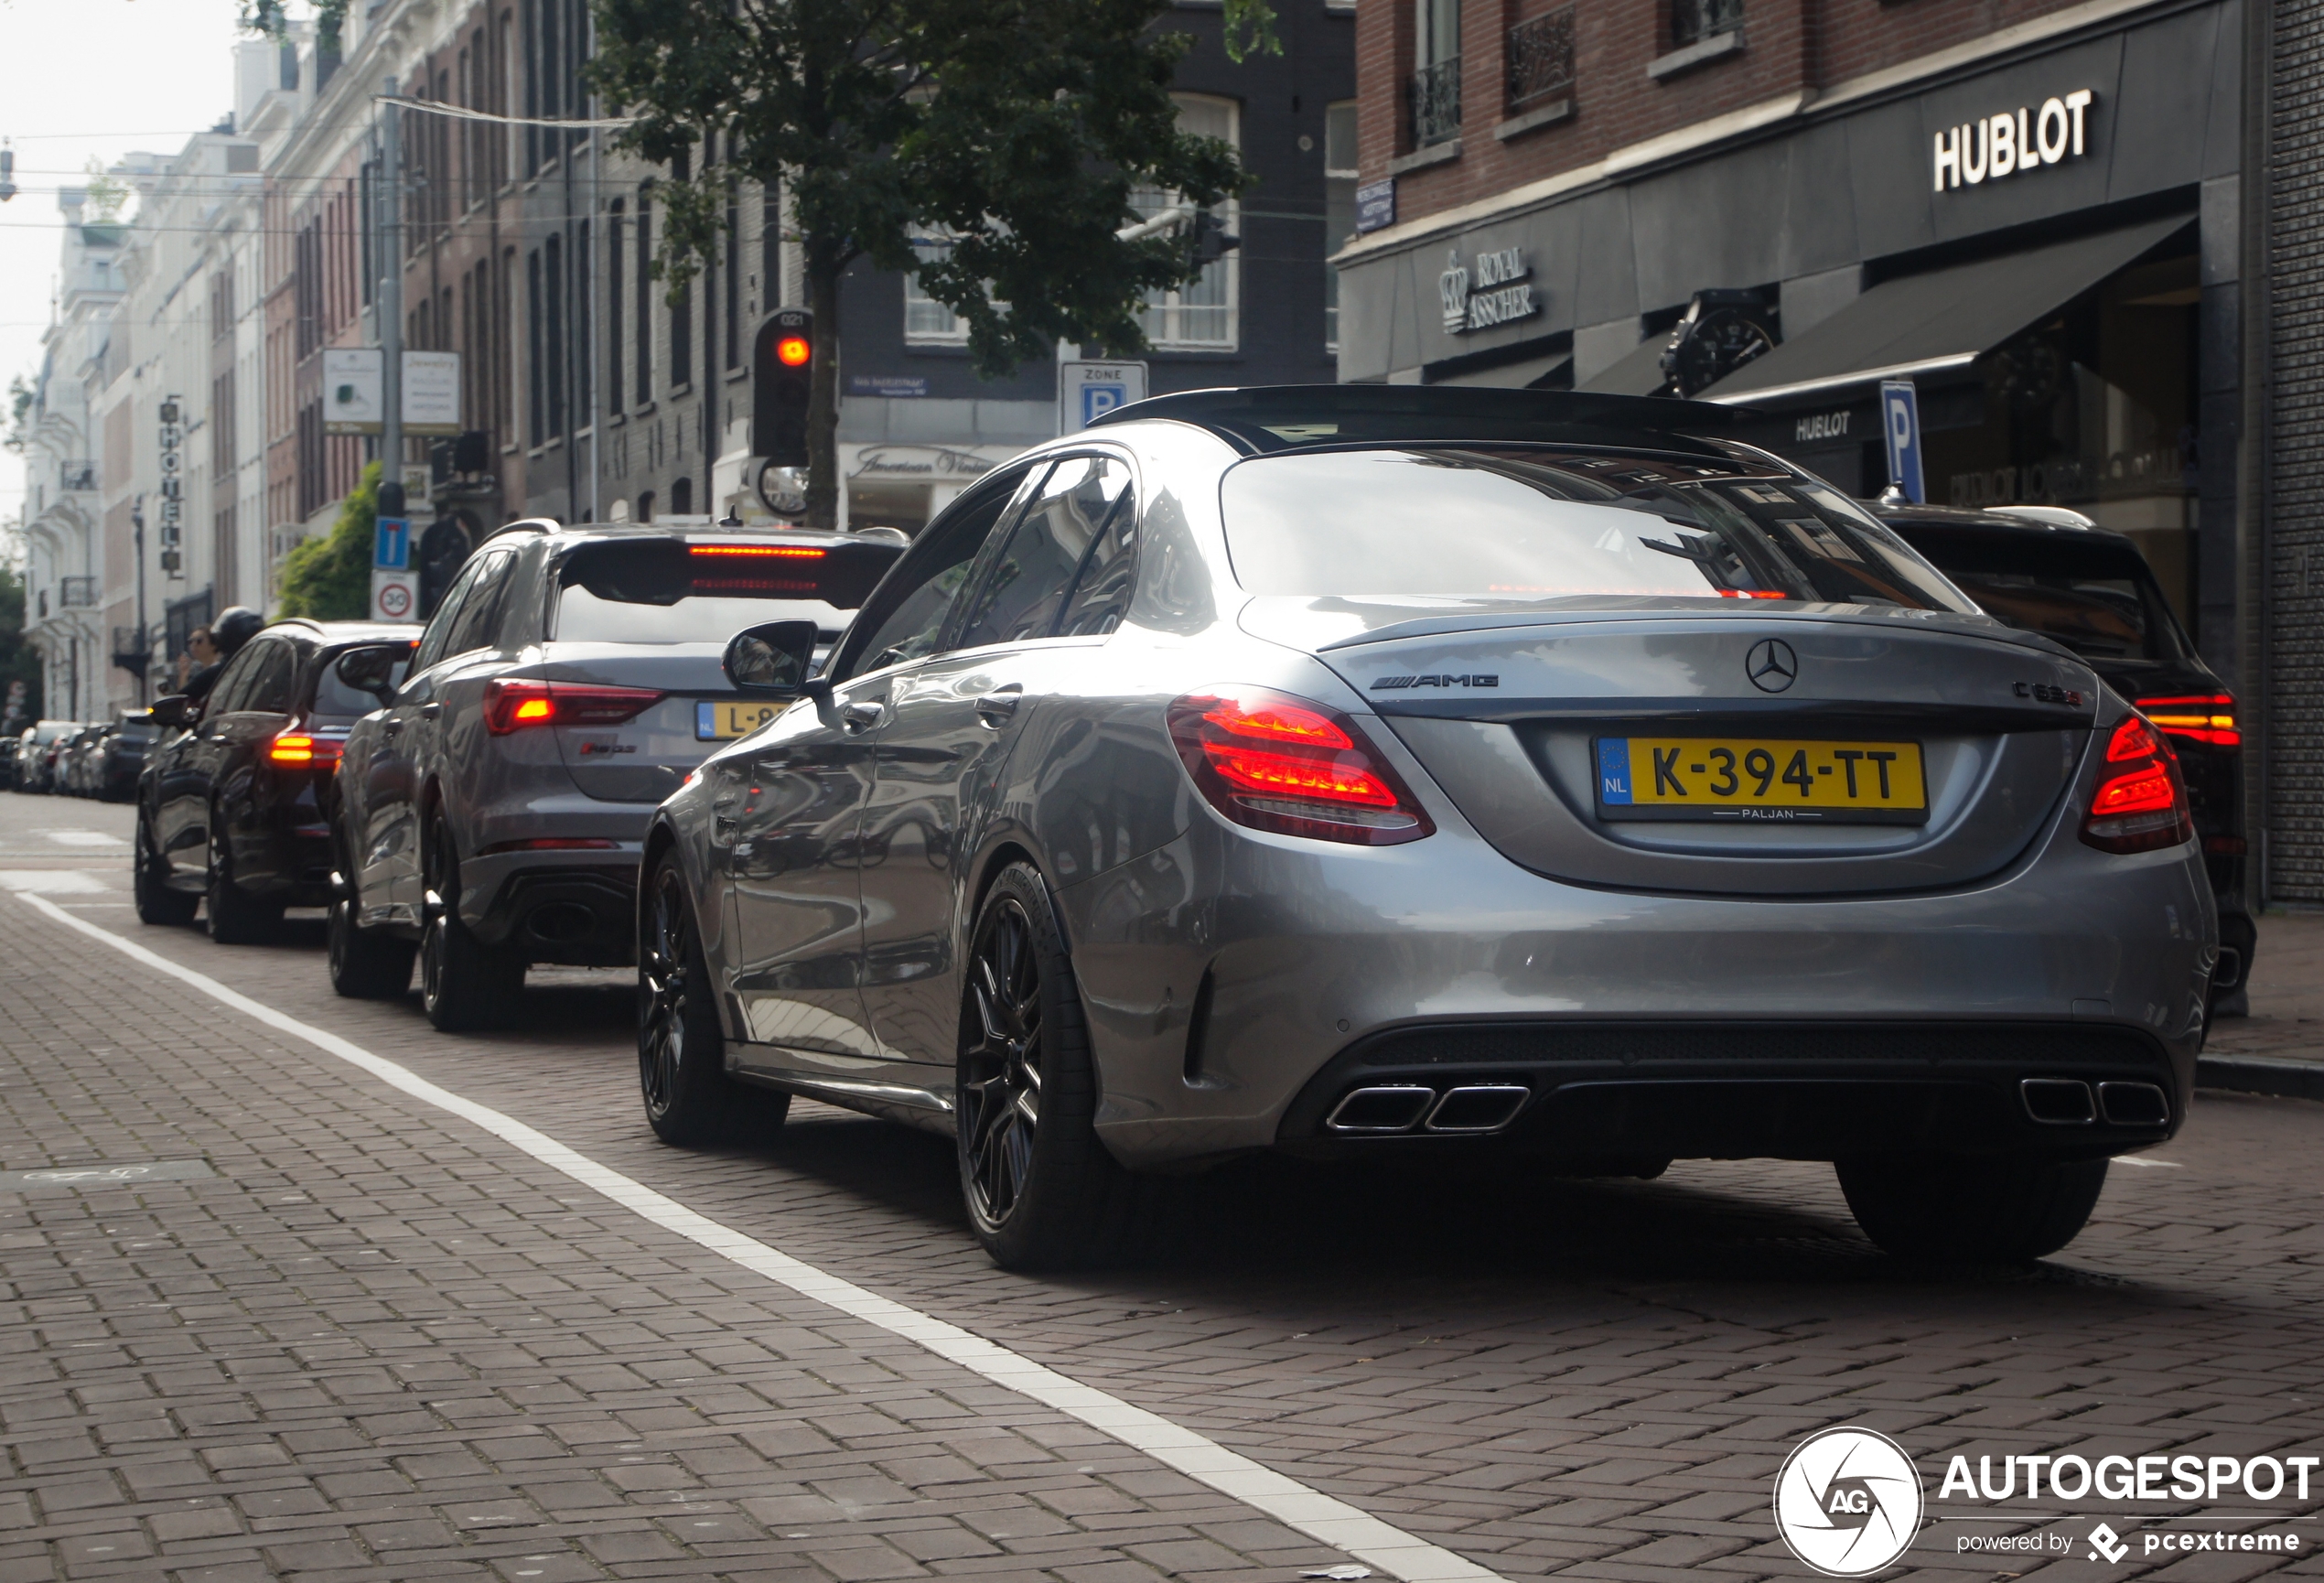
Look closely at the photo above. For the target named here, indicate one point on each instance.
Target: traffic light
(783, 370)
(1212, 241)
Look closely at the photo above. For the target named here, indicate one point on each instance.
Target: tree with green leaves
(330, 578)
(20, 660)
(1013, 130)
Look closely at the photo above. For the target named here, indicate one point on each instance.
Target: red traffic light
(793, 351)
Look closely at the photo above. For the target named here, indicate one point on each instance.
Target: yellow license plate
(718, 722)
(1759, 779)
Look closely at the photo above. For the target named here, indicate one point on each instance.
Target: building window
(681, 497)
(1201, 316)
(731, 318)
(613, 305)
(644, 359)
(928, 322)
(1692, 21)
(645, 505)
(770, 246)
(553, 330)
(1436, 81)
(585, 372)
(1339, 205)
(682, 336)
(1539, 55)
(536, 408)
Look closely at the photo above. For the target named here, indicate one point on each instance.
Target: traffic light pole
(391, 307)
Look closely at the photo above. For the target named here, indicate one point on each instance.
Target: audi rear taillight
(1270, 761)
(2141, 802)
(513, 703)
(2205, 717)
(296, 749)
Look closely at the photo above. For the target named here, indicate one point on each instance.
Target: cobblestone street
(350, 1333)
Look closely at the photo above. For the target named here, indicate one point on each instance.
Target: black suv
(236, 807)
(2091, 589)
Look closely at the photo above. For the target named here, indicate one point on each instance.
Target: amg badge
(1386, 684)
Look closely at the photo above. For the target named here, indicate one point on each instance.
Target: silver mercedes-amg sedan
(1367, 772)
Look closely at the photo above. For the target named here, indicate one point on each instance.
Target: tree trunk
(822, 392)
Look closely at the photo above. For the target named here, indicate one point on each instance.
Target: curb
(2258, 1074)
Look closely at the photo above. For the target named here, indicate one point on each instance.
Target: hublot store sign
(1993, 146)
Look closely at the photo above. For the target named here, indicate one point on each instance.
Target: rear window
(2095, 596)
(1532, 523)
(669, 591)
(335, 700)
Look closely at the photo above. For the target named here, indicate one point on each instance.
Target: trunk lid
(649, 756)
(1516, 713)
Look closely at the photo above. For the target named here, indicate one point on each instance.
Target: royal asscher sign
(2013, 142)
(1496, 292)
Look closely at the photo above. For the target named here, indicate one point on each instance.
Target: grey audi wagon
(1383, 773)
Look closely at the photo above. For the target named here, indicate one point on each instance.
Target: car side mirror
(371, 669)
(772, 659)
(174, 713)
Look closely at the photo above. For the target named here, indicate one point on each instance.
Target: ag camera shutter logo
(1847, 1501)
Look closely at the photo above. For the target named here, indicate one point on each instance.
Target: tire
(690, 1100)
(366, 963)
(236, 917)
(464, 984)
(1041, 1191)
(156, 903)
(1972, 1210)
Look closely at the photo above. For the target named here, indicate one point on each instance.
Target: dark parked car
(2091, 589)
(36, 754)
(122, 757)
(236, 808)
(494, 813)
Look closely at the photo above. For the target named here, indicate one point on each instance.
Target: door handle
(430, 711)
(996, 707)
(857, 717)
(391, 727)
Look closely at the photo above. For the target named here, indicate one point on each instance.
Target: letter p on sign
(1900, 426)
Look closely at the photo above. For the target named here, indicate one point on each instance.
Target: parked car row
(1360, 773)
(69, 758)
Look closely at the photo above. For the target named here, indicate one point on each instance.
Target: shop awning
(1640, 373)
(1940, 320)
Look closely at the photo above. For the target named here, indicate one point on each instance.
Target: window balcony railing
(1540, 56)
(131, 652)
(77, 476)
(1436, 103)
(1692, 21)
(76, 593)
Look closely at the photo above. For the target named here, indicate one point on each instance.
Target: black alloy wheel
(236, 917)
(158, 904)
(1041, 1191)
(465, 985)
(690, 1101)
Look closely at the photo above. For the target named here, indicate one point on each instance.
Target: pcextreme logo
(1847, 1501)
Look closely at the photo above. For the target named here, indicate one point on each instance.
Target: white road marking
(1320, 1517)
(48, 881)
(83, 838)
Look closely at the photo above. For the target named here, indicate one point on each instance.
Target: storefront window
(2094, 408)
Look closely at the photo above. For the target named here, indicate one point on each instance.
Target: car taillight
(2141, 805)
(512, 704)
(297, 749)
(1270, 761)
(2205, 717)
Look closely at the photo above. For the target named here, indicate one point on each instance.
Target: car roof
(588, 533)
(1258, 419)
(349, 631)
(1923, 516)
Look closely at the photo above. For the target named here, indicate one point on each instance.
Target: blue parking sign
(392, 544)
(1097, 399)
(1900, 428)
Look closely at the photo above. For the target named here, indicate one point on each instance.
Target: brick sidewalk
(377, 1344)
(1593, 1379)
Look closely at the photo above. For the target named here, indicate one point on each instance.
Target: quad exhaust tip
(1388, 1108)
(2069, 1101)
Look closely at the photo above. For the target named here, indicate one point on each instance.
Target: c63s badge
(1847, 1501)
(1389, 684)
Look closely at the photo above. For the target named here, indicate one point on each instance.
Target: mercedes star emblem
(1771, 665)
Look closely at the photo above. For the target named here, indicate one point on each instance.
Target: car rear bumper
(1613, 1092)
(1238, 986)
(575, 915)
